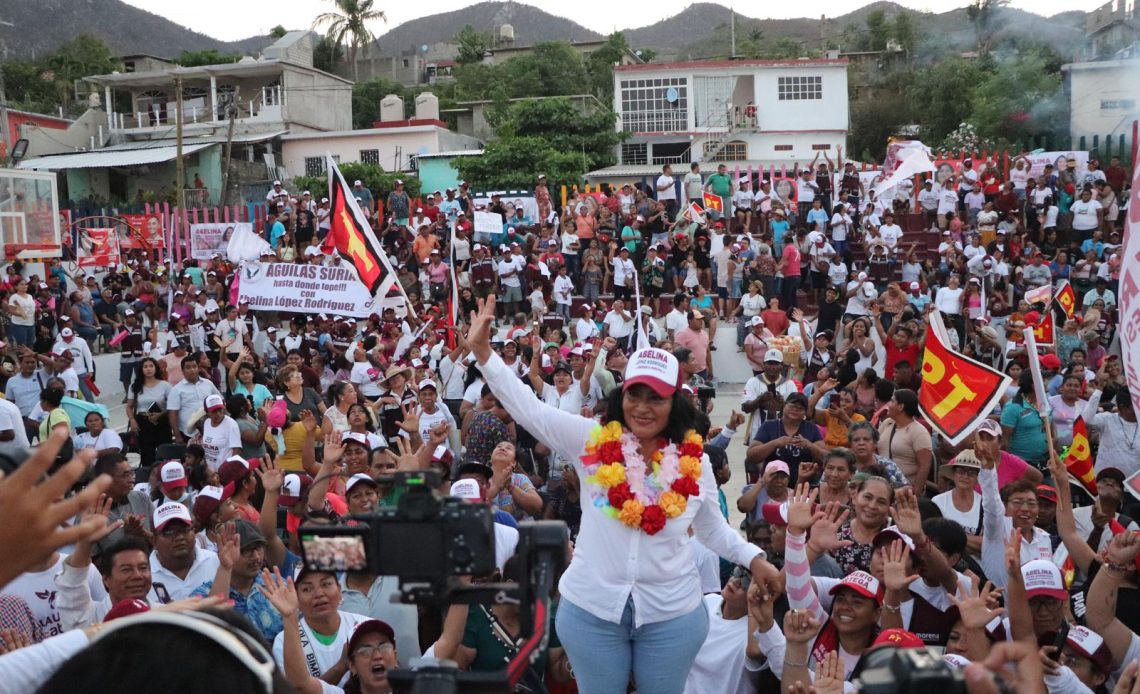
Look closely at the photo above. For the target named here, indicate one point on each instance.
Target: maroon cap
(126, 608)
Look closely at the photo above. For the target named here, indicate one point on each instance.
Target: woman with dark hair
(341, 396)
(146, 409)
(649, 483)
(871, 505)
(904, 439)
(1022, 428)
(252, 428)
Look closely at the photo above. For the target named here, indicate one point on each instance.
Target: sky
(231, 20)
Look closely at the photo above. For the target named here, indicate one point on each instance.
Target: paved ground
(729, 365)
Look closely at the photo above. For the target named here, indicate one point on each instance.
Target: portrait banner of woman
(98, 248)
(146, 232)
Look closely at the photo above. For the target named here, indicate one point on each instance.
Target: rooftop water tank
(391, 108)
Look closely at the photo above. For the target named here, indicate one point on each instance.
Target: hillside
(126, 29)
(531, 26)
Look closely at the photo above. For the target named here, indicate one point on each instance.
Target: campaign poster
(145, 232)
(295, 288)
(98, 247)
(208, 239)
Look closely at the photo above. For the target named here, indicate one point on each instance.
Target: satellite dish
(671, 95)
(424, 48)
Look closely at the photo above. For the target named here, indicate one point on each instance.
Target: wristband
(1111, 566)
(788, 663)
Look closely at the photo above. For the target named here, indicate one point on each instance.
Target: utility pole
(732, 28)
(179, 166)
(231, 113)
(5, 135)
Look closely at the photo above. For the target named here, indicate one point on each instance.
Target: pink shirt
(1010, 468)
(697, 343)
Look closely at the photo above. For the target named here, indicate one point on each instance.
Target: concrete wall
(42, 142)
(316, 102)
(1099, 93)
(438, 174)
(828, 113)
(410, 141)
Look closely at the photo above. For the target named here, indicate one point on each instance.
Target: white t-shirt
(839, 225)
(38, 589)
(326, 656)
(623, 272)
(1019, 177)
(742, 200)
(947, 201)
(366, 378)
(509, 271)
(837, 274)
(675, 320)
(721, 664)
(949, 300)
(427, 421)
(1084, 214)
(107, 438)
(618, 325)
(563, 290)
(668, 193)
(891, 233)
(971, 521)
(11, 420)
(857, 304)
(219, 441)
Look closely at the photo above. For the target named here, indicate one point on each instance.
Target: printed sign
(490, 223)
(98, 248)
(309, 289)
(208, 239)
(146, 232)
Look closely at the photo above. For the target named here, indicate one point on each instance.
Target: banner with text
(146, 232)
(1130, 292)
(208, 239)
(310, 289)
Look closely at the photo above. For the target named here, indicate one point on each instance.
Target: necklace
(638, 494)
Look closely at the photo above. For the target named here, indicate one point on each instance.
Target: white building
(758, 111)
(1103, 98)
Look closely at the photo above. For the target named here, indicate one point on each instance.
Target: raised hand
(801, 508)
(134, 524)
(309, 422)
(760, 608)
(229, 546)
(1129, 682)
(280, 592)
(272, 477)
(1013, 556)
(334, 449)
(1016, 663)
(479, 335)
(974, 607)
(807, 470)
(411, 421)
(1124, 549)
(906, 514)
(825, 531)
(735, 419)
(102, 508)
(830, 675)
(800, 626)
(408, 457)
(894, 567)
(438, 434)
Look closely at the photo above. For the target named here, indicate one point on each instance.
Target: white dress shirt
(203, 569)
(613, 562)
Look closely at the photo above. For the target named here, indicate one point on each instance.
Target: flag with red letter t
(956, 392)
(1129, 295)
(352, 237)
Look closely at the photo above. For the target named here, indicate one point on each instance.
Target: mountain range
(702, 30)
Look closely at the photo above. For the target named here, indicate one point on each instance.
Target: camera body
(423, 538)
(902, 670)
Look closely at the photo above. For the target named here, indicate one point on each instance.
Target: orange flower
(610, 475)
(672, 503)
(630, 513)
(690, 466)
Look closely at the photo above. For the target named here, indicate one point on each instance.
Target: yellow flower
(610, 475)
(694, 437)
(672, 503)
(630, 513)
(690, 466)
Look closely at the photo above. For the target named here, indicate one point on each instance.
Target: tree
(1011, 115)
(985, 15)
(905, 32)
(326, 54)
(878, 31)
(374, 178)
(943, 96)
(472, 45)
(277, 32)
(349, 26)
(548, 136)
(646, 54)
(600, 65)
(207, 57)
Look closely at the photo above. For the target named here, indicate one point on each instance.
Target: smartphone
(744, 575)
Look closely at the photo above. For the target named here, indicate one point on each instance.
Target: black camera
(422, 538)
(902, 670)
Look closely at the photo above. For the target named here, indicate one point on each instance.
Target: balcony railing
(267, 105)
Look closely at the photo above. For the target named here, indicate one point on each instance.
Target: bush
(374, 178)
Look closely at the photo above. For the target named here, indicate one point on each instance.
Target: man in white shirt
(510, 269)
(187, 397)
(947, 202)
(721, 664)
(81, 359)
(891, 233)
(693, 185)
(678, 318)
(928, 200)
(618, 324)
(13, 434)
(178, 565)
(667, 192)
(623, 274)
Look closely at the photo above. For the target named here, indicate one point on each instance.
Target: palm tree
(349, 25)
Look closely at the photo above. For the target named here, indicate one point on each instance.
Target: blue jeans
(603, 654)
(24, 335)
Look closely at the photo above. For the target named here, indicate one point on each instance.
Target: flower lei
(626, 489)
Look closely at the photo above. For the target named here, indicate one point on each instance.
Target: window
(634, 153)
(1108, 104)
(315, 166)
(671, 153)
(820, 148)
(730, 151)
(370, 156)
(783, 148)
(654, 105)
(799, 88)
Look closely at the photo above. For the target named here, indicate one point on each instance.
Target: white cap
(357, 182)
(66, 332)
(214, 402)
(427, 383)
(757, 320)
(915, 285)
(291, 485)
(647, 310)
(868, 289)
(211, 306)
(168, 512)
(773, 355)
(172, 476)
(1042, 577)
(862, 276)
(655, 368)
(277, 183)
(355, 437)
(357, 479)
(129, 312)
(466, 489)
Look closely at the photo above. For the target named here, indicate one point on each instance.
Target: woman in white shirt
(98, 437)
(221, 436)
(631, 589)
(22, 316)
(962, 503)
(948, 300)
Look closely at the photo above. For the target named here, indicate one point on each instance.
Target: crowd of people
(584, 343)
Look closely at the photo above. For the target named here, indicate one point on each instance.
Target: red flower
(686, 486)
(610, 452)
(692, 449)
(619, 494)
(652, 519)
